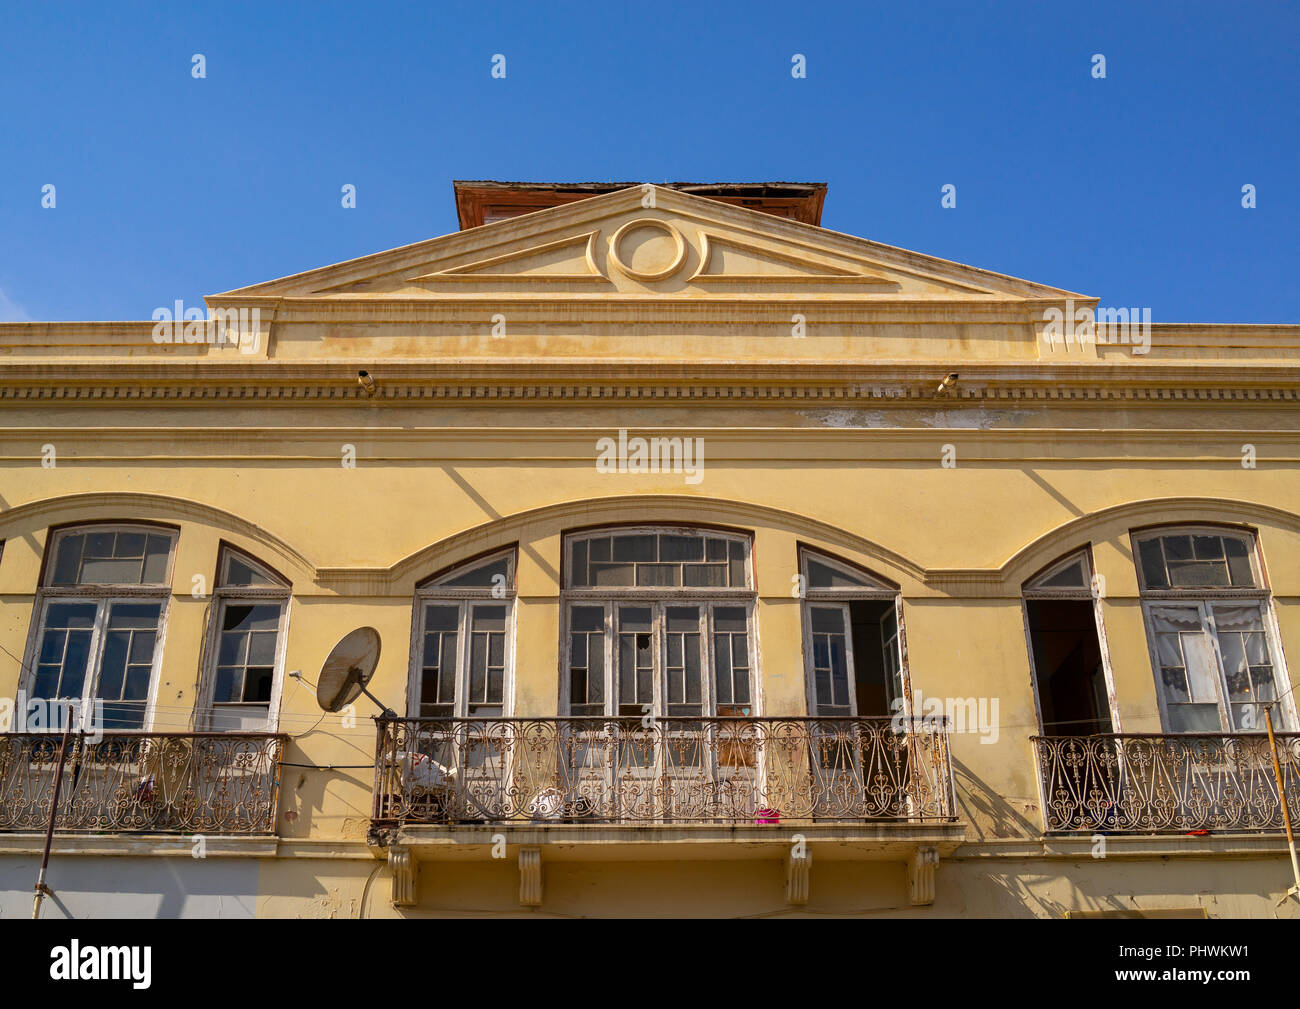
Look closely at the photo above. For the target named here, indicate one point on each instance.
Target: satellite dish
(348, 669)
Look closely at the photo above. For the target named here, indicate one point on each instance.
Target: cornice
(459, 385)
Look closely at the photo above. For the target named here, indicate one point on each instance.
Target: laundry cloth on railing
(421, 772)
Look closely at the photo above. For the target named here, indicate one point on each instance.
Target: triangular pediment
(649, 242)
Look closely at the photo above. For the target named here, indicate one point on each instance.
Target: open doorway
(854, 648)
(1066, 651)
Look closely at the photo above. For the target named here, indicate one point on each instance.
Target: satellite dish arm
(388, 713)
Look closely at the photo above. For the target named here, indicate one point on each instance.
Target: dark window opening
(1068, 666)
(875, 666)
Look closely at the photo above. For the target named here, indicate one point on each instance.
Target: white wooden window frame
(1205, 598)
(244, 595)
(104, 596)
(842, 596)
(659, 598)
(465, 599)
(659, 607)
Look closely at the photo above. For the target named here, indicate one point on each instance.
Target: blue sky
(1127, 188)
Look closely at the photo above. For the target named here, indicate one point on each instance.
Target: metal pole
(41, 888)
(1281, 794)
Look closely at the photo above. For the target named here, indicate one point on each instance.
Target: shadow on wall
(988, 814)
(168, 887)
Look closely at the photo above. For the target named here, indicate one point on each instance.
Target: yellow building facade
(722, 564)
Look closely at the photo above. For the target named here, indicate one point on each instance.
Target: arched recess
(1113, 524)
(552, 521)
(30, 522)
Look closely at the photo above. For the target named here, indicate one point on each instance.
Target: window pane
(136, 687)
(157, 553)
(731, 660)
(64, 652)
(706, 576)
(1238, 554)
(68, 564)
(134, 615)
(495, 572)
(141, 652)
(681, 548)
(827, 619)
(578, 575)
(438, 666)
(683, 660)
(612, 575)
(109, 571)
(1194, 718)
(1069, 577)
(261, 648)
(489, 618)
(636, 659)
(635, 548)
(586, 660)
(1238, 617)
(441, 618)
(587, 618)
(1207, 548)
(823, 576)
(99, 544)
(830, 660)
(1174, 680)
(1200, 667)
(1153, 564)
(112, 667)
(109, 557)
(130, 545)
(477, 667)
(737, 551)
(658, 574)
(1178, 548)
(78, 615)
(232, 649)
(729, 618)
(240, 572)
(228, 685)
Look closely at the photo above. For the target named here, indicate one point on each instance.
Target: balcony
(626, 771)
(1160, 784)
(221, 783)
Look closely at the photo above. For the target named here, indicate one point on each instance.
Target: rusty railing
(1172, 783)
(134, 782)
(630, 770)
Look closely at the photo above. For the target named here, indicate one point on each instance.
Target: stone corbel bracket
(402, 867)
(530, 876)
(798, 873)
(920, 875)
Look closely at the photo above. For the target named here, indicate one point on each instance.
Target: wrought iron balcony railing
(1174, 783)
(133, 782)
(626, 771)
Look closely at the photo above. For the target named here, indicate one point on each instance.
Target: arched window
(246, 650)
(1210, 627)
(853, 645)
(101, 606)
(658, 620)
(1065, 649)
(462, 659)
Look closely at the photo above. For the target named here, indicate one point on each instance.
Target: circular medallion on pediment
(648, 249)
